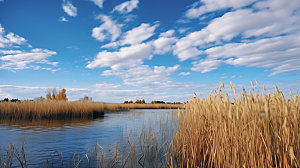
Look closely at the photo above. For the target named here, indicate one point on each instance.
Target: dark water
(45, 140)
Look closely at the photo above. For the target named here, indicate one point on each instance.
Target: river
(53, 143)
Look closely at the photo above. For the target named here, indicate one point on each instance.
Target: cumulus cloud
(69, 8)
(265, 35)
(10, 39)
(17, 59)
(108, 29)
(281, 54)
(205, 6)
(165, 42)
(139, 34)
(134, 36)
(127, 7)
(145, 76)
(99, 3)
(126, 56)
(26, 60)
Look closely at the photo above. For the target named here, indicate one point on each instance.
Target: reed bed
(257, 130)
(34, 110)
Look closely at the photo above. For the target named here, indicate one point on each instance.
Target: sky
(117, 50)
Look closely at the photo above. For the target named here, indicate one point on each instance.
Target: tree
(51, 94)
(87, 98)
(61, 95)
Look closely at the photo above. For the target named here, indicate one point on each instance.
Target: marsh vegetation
(51, 109)
(251, 129)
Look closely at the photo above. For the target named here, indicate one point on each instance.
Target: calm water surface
(44, 139)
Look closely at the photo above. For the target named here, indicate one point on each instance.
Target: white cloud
(134, 36)
(111, 45)
(165, 42)
(108, 27)
(69, 8)
(184, 73)
(281, 54)
(139, 34)
(205, 6)
(126, 56)
(63, 19)
(206, 65)
(10, 39)
(107, 86)
(99, 3)
(12, 59)
(127, 7)
(10, 51)
(145, 77)
(268, 35)
(26, 60)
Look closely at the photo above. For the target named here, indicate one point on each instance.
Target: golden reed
(67, 110)
(256, 130)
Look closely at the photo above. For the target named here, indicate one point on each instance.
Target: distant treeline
(11, 100)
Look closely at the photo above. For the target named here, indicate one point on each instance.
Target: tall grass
(49, 110)
(257, 130)
(34, 110)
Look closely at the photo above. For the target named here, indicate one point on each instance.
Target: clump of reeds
(256, 130)
(51, 109)
(33, 110)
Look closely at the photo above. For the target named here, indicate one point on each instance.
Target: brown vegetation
(63, 109)
(257, 130)
(140, 101)
(49, 110)
(52, 94)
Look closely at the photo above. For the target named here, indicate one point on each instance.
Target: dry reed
(257, 130)
(49, 110)
(34, 110)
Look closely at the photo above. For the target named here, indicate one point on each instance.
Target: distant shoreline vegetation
(56, 106)
(51, 109)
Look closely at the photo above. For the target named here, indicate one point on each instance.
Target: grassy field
(33, 110)
(257, 130)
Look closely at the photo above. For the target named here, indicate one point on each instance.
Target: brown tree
(61, 95)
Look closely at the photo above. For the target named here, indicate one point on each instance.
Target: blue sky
(114, 50)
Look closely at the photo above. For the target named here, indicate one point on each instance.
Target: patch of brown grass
(258, 130)
(35, 110)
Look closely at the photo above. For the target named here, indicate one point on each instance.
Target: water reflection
(45, 138)
(45, 125)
